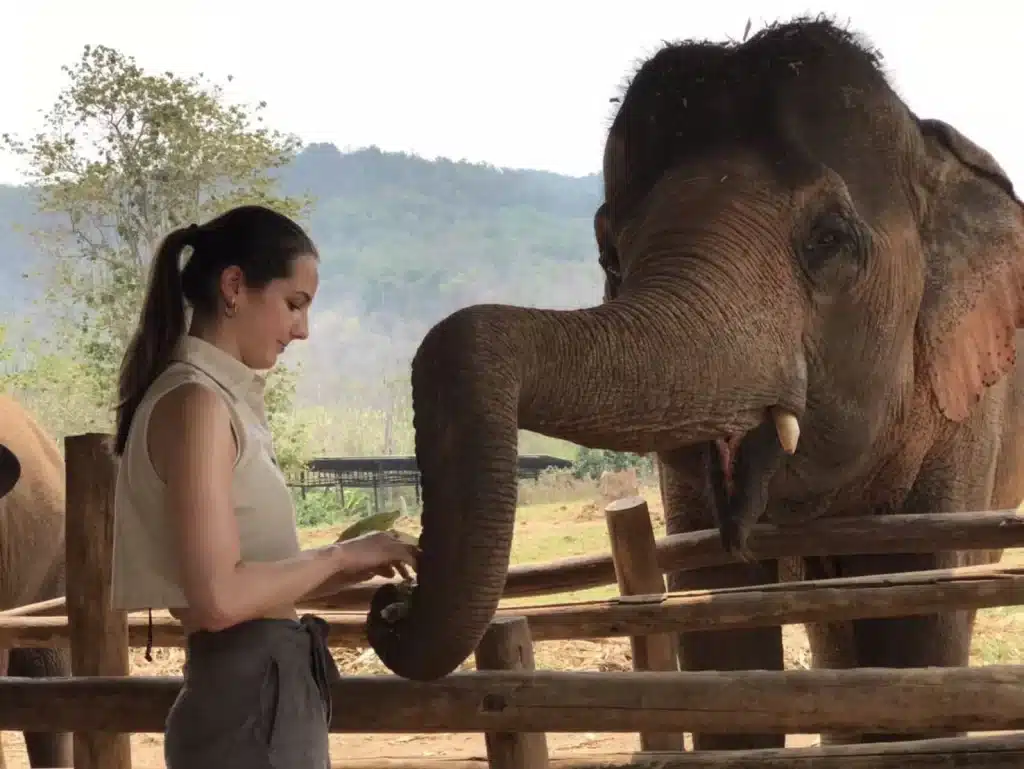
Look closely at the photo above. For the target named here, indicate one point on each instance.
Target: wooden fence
(514, 705)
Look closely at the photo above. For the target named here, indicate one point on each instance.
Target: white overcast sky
(522, 84)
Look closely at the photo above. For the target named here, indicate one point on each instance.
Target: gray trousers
(256, 695)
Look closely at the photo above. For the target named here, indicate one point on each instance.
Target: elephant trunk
(636, 374)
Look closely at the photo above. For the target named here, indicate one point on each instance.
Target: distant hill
(17, 251)
(404, 241)
(416, 238)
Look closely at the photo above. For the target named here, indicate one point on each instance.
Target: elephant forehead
(797, 95)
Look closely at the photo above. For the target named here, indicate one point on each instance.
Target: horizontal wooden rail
(921, 533)
(987, 752)
(791, 701)
(699, 549)
(783, 603)
(54, 607)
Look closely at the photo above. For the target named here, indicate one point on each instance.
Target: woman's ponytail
(161, 324)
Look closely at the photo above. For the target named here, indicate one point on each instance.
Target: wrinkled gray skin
(779, 229)
(32, 554)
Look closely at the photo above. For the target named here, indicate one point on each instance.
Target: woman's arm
(193, 450)
(334, 585)
(339, 581)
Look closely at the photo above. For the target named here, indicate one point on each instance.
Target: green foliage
(590, 463)
(320, 507)
(125, 157)
(289, 427)
(55, 386)
(323, 507)
(357, 503)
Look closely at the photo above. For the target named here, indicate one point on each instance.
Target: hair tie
(192, 235)
(190, 238)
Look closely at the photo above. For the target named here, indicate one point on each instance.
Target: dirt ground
(605, 655)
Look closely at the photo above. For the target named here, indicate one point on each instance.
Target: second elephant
(32, 554)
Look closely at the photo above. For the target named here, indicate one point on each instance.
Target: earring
(230, 308)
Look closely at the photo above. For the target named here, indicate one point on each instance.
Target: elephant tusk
(788, 428)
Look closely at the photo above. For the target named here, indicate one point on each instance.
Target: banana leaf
(377, 522)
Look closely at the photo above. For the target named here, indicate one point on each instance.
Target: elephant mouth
(741, 467)
(725, 477)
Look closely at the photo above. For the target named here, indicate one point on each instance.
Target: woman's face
(269, 319)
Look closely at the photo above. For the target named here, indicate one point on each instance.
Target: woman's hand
(361, 558)
(377, 553)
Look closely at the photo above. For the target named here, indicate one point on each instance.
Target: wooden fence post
(635, 556)
(507, 645)
(99, 635)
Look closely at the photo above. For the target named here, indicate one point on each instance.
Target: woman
(205, 525)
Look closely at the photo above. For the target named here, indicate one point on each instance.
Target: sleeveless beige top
(145, 567)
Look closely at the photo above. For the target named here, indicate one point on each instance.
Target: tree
(53, 384)
(125, 157)
(290, 429)
(590, 463)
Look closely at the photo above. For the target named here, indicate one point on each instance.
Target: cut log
(54, 607)
(791, 701)
(634, 553)
(507, 646)
(921, 533)
(887, 595)
(988, 752)
(98, 633)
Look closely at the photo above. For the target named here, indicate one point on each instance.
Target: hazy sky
(522, 84)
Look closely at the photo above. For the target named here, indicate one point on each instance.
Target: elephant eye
(612, 276)
(830, 234)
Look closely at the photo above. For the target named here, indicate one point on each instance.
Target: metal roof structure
(390, 471)
(380, 472)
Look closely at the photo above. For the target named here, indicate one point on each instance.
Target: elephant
(811, 303)
(32, 564)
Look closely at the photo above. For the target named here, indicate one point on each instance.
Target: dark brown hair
(259, 241)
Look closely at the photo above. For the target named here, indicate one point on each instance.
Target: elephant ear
(972, 228)
(608, 256)
(10, 470)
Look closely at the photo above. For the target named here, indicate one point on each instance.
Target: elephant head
(799, 274)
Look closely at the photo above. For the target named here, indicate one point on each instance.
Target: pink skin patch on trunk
(727, 453)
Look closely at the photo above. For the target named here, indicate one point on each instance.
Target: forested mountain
(404, 241)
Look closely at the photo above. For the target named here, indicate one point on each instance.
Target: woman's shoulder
(177, 373)
(182, 385)
(185, 402)
(190, 402)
